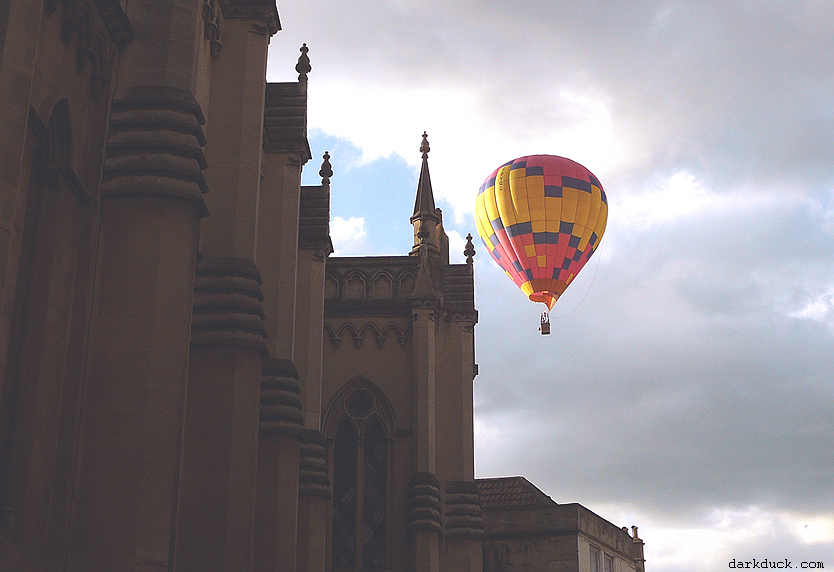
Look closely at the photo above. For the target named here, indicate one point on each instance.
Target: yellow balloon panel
(541, 218)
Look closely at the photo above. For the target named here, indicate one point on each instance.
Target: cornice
(253, 9)
(322, 247)
(300, 148)
(466, 316)
(424, 303)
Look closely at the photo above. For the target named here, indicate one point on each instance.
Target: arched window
(344, 497)
(374, 505)
(361, 417)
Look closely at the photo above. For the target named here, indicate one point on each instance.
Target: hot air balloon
(541, 217)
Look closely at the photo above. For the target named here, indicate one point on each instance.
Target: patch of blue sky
(380, 192)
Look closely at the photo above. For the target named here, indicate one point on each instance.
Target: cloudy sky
(688, 385)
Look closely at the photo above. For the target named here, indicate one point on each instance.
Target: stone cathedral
(189, 381)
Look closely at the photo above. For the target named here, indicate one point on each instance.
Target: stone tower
(397, 404)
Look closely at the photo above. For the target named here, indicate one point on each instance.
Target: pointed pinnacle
(469, 251)
(303, 66)
(424, 146)
(326, 170)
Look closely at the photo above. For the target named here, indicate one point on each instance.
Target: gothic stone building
(188, 380)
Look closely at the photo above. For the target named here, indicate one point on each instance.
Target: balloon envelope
(541, 217)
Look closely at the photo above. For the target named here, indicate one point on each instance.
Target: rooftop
(510, 492)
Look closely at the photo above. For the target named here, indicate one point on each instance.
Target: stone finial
(326, 170)
(303, 66)
(469, 251)
(424, 146)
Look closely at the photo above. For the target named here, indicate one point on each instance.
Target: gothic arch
(405, 283)
(382, 285)
(392, 327)
(356, 286)
(351, 402)
(370, 327)
(332, 287)
(359, 426)
(354, 333)
(335, 338)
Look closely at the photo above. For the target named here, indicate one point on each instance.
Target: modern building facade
(190, 381)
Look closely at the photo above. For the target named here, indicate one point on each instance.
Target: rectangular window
(609, 563)
(595, 564)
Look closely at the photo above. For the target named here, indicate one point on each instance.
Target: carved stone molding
(368, 329)
(280, 399)
(213, 26)
(117, 22)
(227, 304)
(398, 282)
(154, 146)
(253, 9)
(424, 303)
(360, 401)
(322, 248)
(97, 28)
(423, 503)
(312, 474)
(463, 516)
(467, 316)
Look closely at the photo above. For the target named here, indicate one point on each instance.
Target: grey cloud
(682, 380)
(742, 90)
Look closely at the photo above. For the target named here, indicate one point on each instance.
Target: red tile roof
(510, 492)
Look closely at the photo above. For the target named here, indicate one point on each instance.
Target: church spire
(424, 204)
(426, 216)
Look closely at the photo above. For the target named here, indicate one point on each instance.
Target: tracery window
(360, 478)
(344, 497)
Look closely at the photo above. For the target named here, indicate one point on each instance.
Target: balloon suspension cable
(590, 285)
(544, 328)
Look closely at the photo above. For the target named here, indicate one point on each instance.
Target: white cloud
(810, 529)
(457, 244)
(349, 236)
(710, 541)
(819, 308)
(674, 197)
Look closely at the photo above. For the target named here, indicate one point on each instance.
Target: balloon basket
(544, 328)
